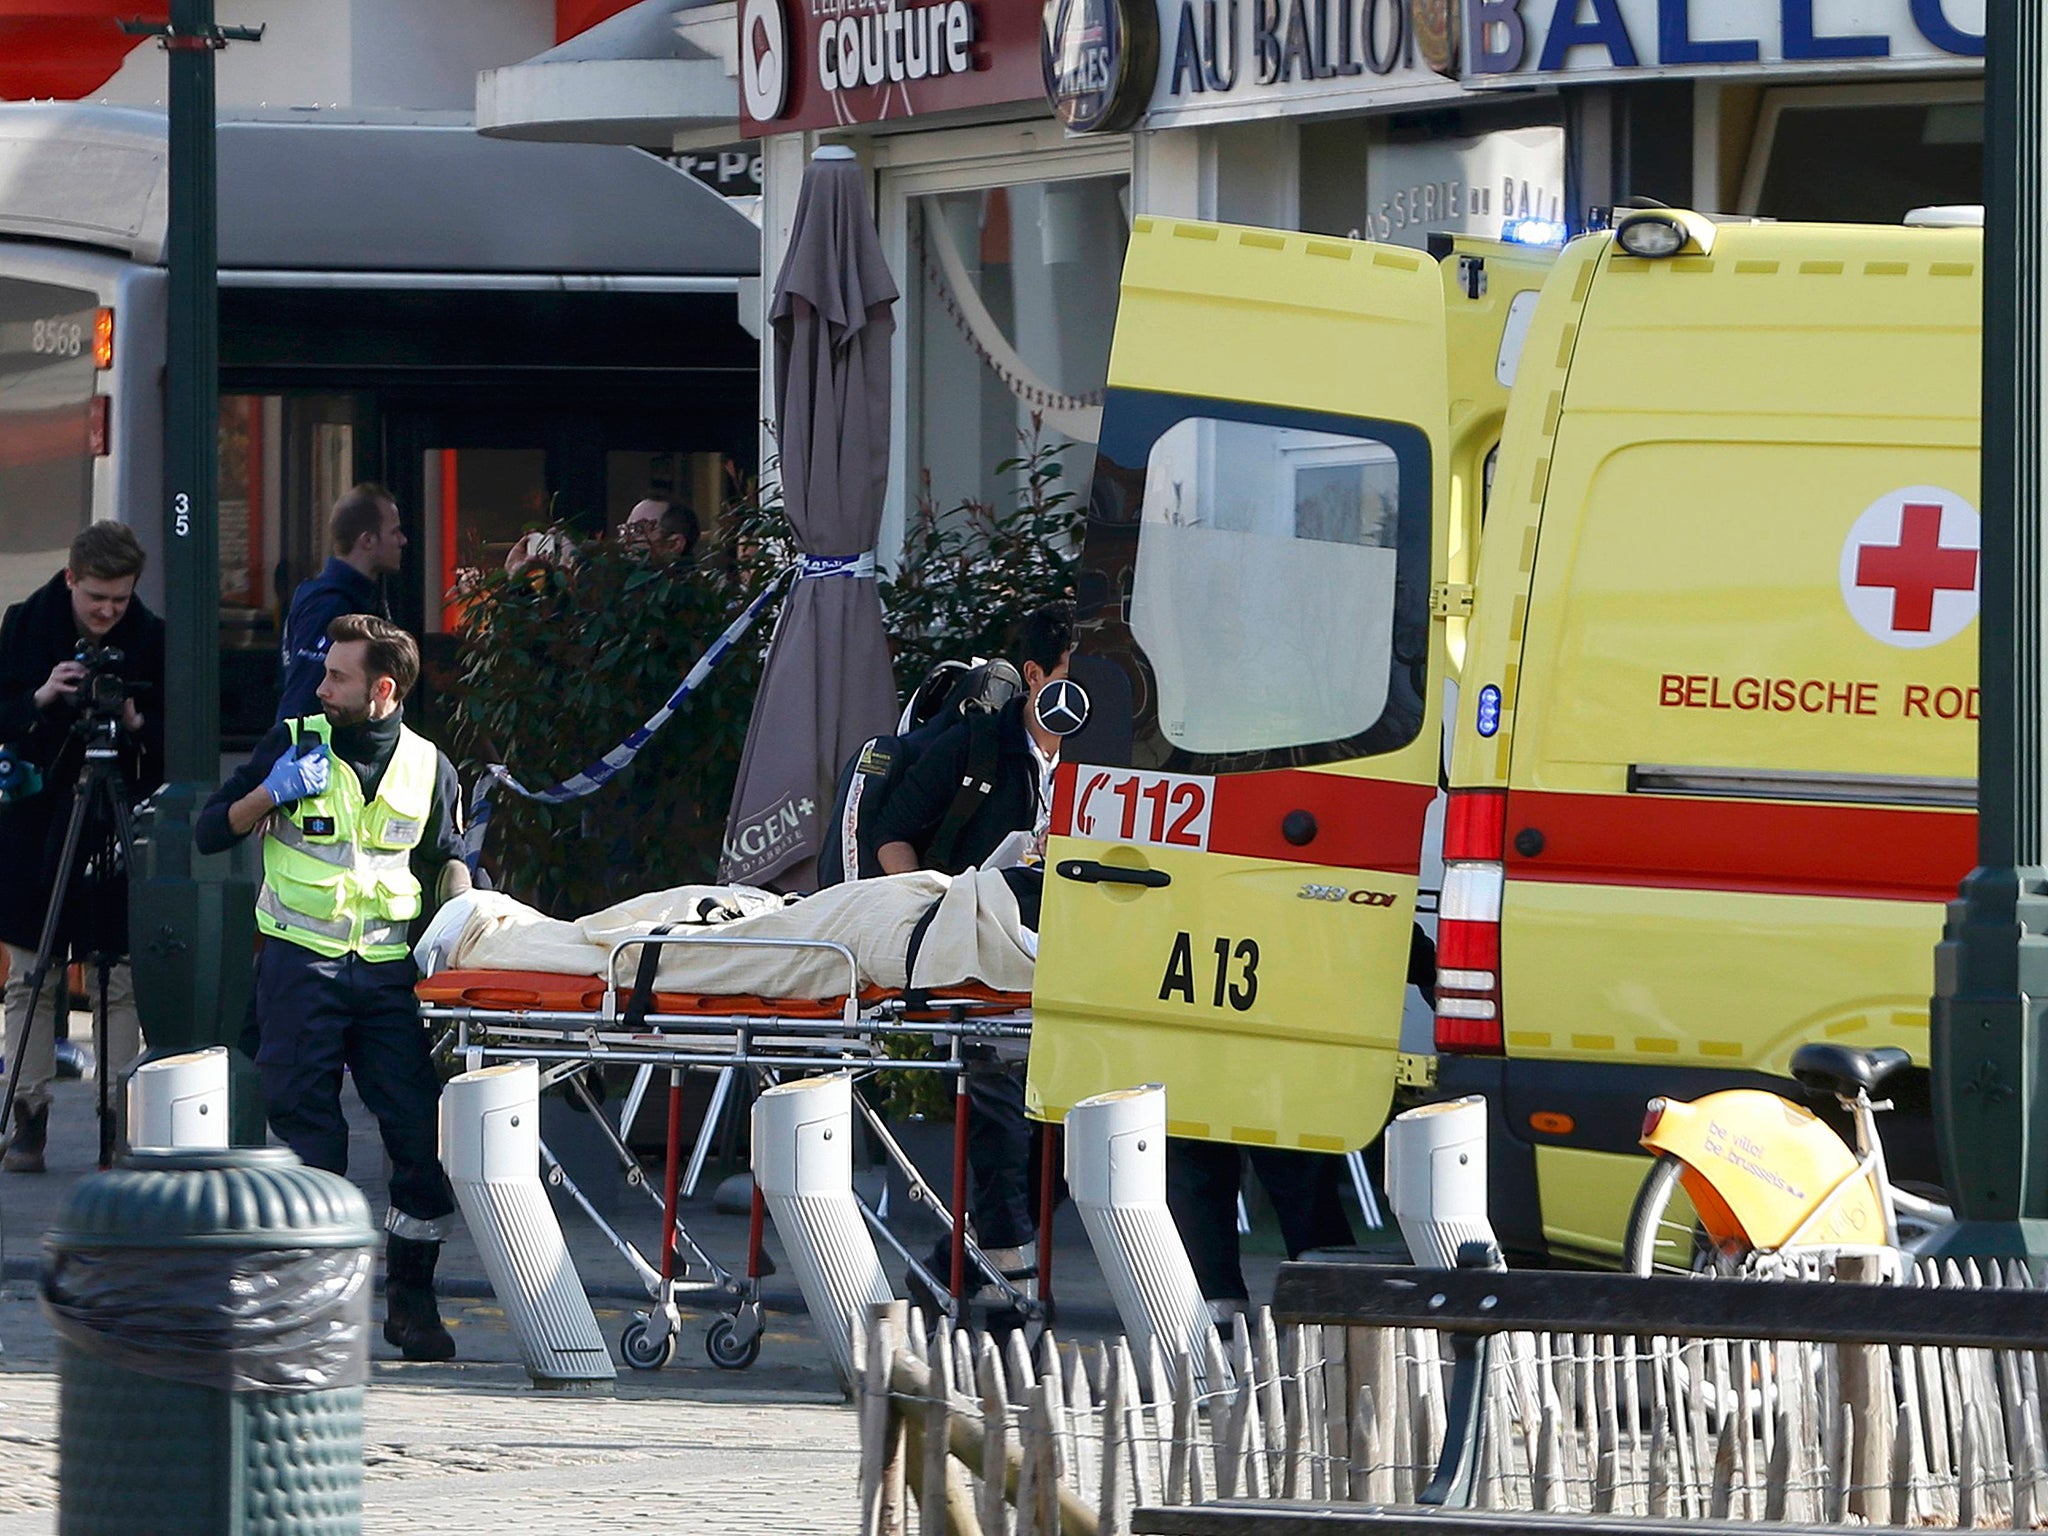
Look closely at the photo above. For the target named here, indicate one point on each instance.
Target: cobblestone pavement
(470, 1448)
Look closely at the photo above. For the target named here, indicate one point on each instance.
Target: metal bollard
(180, 1101)
(1116, 1169)
(212, 1315)
(803, 1160)
(490, 1142)
(1436, 1180)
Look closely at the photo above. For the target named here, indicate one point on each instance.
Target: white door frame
(958, 160)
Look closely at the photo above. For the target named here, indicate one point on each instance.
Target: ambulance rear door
(1490, 290)
(1231, 888)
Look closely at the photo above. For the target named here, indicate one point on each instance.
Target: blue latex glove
(294, 778)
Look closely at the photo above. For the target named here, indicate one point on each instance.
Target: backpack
(953, 691)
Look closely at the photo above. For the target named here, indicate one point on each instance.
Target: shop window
(283, 461)
(1866, 154)
(247, 507)
(1014, 297)
(309, 458)
(696, 480)
(249, 539)
(477, 503)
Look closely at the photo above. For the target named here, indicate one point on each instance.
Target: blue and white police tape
(812, 567)
(615, 762)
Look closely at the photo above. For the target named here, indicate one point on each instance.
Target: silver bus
(503, 333)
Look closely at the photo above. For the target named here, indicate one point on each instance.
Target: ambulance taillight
(1468, 923)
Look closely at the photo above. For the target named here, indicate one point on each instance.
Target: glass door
(476, 505)
(474, 476)
(284, 459)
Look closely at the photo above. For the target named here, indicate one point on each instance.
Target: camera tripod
(99, 832)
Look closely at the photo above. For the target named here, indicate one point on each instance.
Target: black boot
(31, 1136)
(412, 1323)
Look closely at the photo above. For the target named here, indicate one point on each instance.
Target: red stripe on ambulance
(1873, 852)
(1348, 823)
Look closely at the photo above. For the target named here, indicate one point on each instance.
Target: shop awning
(325, 195)
(654, 69)
(66, 48)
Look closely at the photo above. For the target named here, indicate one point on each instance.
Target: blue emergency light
(1533, 232)
(1489, 710)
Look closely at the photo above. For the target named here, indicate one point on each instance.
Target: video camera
(101, 698)
(105, 691)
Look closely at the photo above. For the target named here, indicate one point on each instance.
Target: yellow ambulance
(1278, 552)
(1679, 529)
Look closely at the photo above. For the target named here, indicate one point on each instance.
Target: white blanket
(975, 936)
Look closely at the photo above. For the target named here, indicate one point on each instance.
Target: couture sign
(842, 63)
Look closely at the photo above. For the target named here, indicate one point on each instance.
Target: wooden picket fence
(988, 1440)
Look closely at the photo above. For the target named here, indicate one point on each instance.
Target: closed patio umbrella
(827, 685)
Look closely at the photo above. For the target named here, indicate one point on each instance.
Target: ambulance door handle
(1092, 873)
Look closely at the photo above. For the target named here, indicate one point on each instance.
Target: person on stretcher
(923, 931)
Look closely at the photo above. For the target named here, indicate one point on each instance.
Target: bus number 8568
(57, 338)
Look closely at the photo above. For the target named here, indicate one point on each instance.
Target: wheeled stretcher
(624, 1016)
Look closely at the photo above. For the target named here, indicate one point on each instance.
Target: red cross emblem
(1916, 567)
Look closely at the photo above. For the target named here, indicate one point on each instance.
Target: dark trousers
(1000, 1144)
(1202, 1181)
(317, 1017)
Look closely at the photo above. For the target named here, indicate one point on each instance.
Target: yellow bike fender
(1758, 1166)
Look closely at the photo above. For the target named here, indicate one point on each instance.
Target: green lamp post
(191, 924)
(1991, 969)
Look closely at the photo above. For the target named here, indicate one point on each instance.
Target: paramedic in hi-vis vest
(361, 818)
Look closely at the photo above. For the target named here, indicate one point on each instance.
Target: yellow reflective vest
(337, 871)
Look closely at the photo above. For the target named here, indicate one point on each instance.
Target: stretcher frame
(567, 1043)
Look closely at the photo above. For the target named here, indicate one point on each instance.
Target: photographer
(87, 610)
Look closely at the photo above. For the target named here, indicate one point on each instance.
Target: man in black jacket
(369, 544)
(941, 818)
(91, 602)
(913, 831)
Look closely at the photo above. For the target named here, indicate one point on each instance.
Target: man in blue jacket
(368, 545)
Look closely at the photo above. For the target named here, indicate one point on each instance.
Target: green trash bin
(212, 1311)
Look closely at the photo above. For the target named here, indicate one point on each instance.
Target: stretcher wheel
(727, 1351)
(644, 1352)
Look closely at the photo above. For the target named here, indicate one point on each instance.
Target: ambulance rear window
(1274, 572)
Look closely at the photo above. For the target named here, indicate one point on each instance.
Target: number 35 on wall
(1164, 810)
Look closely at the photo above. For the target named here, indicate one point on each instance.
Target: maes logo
(1099, 57)
(1910, 567)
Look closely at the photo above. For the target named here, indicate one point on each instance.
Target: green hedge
(560, 661)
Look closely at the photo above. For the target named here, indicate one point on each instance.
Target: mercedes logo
(1062, 706)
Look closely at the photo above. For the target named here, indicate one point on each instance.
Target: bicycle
(1747, 1183)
